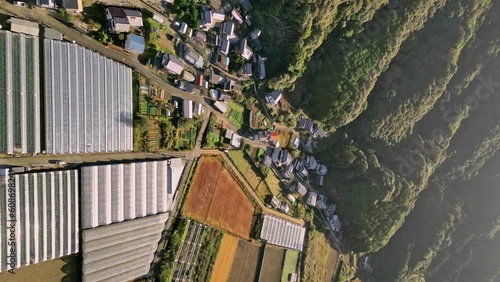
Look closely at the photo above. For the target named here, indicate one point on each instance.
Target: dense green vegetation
(189, 11)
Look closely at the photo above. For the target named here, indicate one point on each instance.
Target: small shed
(135, 43)
(23, 26)
(222, 107)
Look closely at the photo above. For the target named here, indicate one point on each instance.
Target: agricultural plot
(246, 262)
(217, 199)
(290, 265)
(225, 258)
(271, 264)
(235, 113)
(319, 258)
(250, 172)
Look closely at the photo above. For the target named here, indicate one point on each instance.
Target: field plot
(64, 269)
(225, 258)
(245, 263)
(290, 265)
(235, 113)
(271, 265)
(217, 199)
(320, 258)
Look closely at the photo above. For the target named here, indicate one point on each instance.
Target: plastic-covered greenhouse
(19, 93)
(113, 193)
(46, 214)
(282, 232)
(88, 101)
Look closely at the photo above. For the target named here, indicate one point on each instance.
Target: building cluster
(112, 213)
(121, 20)
(72, 6)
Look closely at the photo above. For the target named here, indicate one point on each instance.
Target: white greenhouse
(88, 101)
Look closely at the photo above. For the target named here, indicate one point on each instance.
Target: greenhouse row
(117, 192)
(88, 101)
(19, 94)
(282, 232)
(44, 220)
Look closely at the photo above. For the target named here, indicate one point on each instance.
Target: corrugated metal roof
(116, 192)
(135, 43)
(281, 232)
(46, 215)
(121, 251)
(88, 101)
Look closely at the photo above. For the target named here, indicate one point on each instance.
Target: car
(20, 4)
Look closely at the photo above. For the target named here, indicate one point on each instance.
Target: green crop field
(235, 113)
(290, 264)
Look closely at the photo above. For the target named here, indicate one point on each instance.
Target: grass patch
(235, 113)
(290, 264)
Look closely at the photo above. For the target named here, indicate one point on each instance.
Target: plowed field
(225, 258)
(217, 199)
(246, 262)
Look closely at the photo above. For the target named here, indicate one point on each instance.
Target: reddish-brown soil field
(217, 199)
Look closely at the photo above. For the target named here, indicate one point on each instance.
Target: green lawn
(235, 113)
(290, 265)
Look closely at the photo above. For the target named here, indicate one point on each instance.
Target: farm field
(246, 262)
(217, 199)
(272, 263)
(290, 264)
(235, 113)
(249, 172)
(225, 257)
(319, 258)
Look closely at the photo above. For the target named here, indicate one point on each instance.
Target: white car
(20, 4)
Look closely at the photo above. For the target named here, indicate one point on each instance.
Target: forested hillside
(410, 91)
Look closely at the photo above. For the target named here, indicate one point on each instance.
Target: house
(311, 163)
(236, 140)
(303, 173)
(257, 46)
(159, 18)
(224, 44)
(296, 142)
(276, 154)
(228, 135)
(321, 170)
(214, 93)
(306, 124)
(321, 180)
(284, 207)
(301, 189)
(286, 158)
(267, 161)
(311, 199)
(261, 66)
(187, 109)
(206, 19)
(287, 172)
(275, 203)
(247, 69)
(200, 36)
(192, 57)
(237, 16)
(213, 39)
(222, 107)
(172, 64)
(246, 5)
(197, 108)
(122, 20)
(274, 97)
(22, 26)
(232, 85)
(228, 29)
(321, 202)
(274, 136)
(218, 16)
(135, 43)
(222, 61)
(215, 78)
(73, 5)
(225, 97)
(46, 3)
(254, 35)
(189, 77)
(200, 79)
(192, 89)
(183, 29)
(320, 132)
(245, 50)
(335, 223)
(290, 198)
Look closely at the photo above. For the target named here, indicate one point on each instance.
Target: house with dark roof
(274, 97)
(255, 34)
(244, 50)
(261, 66)
(224, 44)
(73, 5)
(200, 36)
(267, 161)
(232, 85)
(247, 69)
(120, 20)
(172, 64)
(194, 58)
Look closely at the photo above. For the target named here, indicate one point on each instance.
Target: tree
(103, 37)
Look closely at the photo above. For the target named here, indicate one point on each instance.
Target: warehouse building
(88, 101)
(281, 232)
(44, 223)
(116, 192)
(121, 251)
(19, 93)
